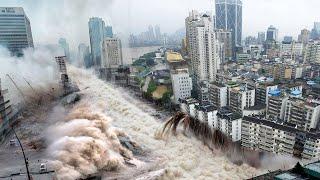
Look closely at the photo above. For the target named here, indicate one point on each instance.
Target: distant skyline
(51, 20)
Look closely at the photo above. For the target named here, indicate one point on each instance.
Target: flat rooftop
(173, 57)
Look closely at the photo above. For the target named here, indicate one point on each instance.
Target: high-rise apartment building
(15, 30)
(202, 50)
(304, 36)
(96, 32)
(112, 53)
(303, 113)
(224, 37)
(313, 52)
(272, 33)
(291, 49)
(229, 17)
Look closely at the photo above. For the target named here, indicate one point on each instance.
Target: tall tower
(229, 17)
(202, 50)
(272, 33)
(96, 33)
(15, 30)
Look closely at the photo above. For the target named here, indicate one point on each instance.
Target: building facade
(112, 53)
(181, 83)
(202, 50)
(272, 34)
(261, 134)
(224, 37)
(218, 95)
(313, 52)
(229, 17)
(96, 33)
(15, 30)
(241, 98)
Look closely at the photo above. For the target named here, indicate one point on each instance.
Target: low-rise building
(189, 106)
(276, 104)
(180, 77)
(229, 123)
(240, 98)
(218, 94)
(303, 113)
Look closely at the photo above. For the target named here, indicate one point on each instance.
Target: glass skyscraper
(229, 17)
(15, 30)
(96, 33)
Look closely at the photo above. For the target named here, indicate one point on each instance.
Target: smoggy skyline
(51, 20)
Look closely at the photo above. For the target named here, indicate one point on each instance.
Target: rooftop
(283, 127)
(309, 171)
(173, 57)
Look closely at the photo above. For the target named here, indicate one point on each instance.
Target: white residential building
(189, 106)
(201, 43)
(181, 84)
(207, 113)
(218, 94)
(229, 123)
(112, 53)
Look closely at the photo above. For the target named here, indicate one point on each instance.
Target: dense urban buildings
(15, 30)
(229, 17)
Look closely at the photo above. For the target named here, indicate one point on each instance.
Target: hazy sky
(51, 19)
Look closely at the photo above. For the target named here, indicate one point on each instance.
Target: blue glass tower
(96, 33)
(229, 17)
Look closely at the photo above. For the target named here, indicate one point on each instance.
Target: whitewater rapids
(182, 157)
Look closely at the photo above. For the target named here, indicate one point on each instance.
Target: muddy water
(183, 157)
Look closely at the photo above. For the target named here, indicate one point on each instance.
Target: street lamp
(24, 156)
